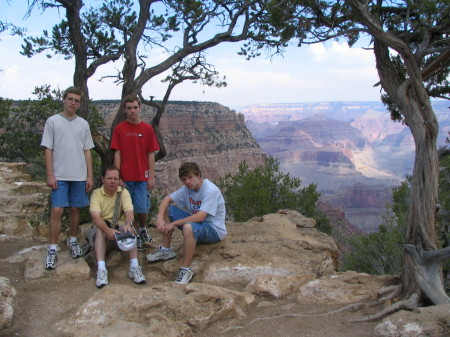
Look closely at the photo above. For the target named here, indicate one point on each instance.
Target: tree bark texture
(411, 98)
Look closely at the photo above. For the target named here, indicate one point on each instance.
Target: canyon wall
(353, 151)
(208, 133)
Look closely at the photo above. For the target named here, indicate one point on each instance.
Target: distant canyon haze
(353, 151)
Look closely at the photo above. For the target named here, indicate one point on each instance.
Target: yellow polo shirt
(104, 203)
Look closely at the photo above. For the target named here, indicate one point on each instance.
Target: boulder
(23, 204)
(343, 288)
(425, 321)
(8, 295)
(166, 309)
(66, 267)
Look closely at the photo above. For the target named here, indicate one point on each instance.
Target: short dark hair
(189, 167)
(130, 99)
(73, 90)
(109, 168)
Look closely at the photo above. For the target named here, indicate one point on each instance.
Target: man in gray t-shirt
(203, 221)
(67, 144)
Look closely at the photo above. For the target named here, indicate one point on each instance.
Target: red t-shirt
(134, 141)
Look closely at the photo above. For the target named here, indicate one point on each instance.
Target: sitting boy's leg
(188, 245)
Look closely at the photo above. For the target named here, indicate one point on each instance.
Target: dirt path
(40, 304)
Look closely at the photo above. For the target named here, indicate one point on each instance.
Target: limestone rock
(166, 309)
(278, 286)
(66, 267)
(272, 245)
(8, 295)
(22, 203)
(426, 321)
(343, 288)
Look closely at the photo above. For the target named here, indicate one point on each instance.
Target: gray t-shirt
(68, 139)
(208, 199)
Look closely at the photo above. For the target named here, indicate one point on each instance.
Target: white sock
(101, 265)
(73, 239)
(53, 246)
(164, 249)
(134, 263)
(141, 229)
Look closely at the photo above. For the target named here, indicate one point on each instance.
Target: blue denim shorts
(203, 231)
(70, 194)
(139, 195)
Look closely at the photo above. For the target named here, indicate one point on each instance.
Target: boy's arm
(151, 170)
(117, 159)
(162, 211)
(51, 180)
(90, 175)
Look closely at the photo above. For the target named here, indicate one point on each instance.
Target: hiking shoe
(184, 276)
(50, 260)
(139, 243)
(145, 236)
(75, 250)
(102, 278)
(161, 255)
(136, 274)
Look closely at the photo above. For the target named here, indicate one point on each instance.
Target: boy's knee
(57, 211)
(187, 230)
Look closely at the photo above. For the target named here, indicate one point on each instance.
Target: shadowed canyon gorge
(353, 151)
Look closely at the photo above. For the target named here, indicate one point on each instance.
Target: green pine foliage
(264, 190)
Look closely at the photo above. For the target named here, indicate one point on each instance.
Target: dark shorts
(203, 231)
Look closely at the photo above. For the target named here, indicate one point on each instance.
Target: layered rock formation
(23, 203)
(208, 133)
(340, 146)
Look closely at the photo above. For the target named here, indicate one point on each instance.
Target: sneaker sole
(141, 282)
(101, 285)
(161, 259)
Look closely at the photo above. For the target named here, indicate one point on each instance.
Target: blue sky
(322, 72)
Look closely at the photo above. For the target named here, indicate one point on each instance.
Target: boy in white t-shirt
(67, 143)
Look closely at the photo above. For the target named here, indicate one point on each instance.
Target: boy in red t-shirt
(135, 144)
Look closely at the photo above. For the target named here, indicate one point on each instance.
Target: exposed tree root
(411, 303)
(390, 294)
(350, 307)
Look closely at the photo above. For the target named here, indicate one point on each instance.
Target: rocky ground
(275, 275)
(40, 304)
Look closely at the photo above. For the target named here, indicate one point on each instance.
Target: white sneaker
(50, 260)
(102, 278)
(184, 276)
(136, 274)
(75, 249)
(161, 255)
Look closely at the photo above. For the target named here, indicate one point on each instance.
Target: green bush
(381, 252)
(265, 190)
